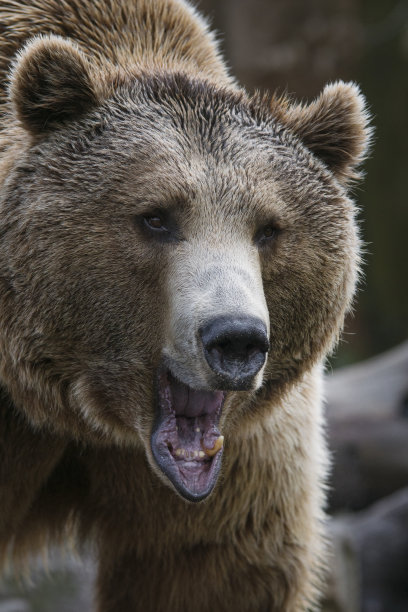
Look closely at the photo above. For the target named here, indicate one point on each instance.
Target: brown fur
(133, 110)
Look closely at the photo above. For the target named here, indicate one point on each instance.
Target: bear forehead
(180, 118)
(170, 139)
(136, 139)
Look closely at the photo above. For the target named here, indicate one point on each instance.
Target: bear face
(146, 218)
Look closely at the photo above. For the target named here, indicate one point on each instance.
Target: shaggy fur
(115, 111)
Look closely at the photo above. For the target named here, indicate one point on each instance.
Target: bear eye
(266, 233)
(155, 222)
(159, 225)
(269, 231)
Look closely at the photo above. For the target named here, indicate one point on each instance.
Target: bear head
(174, 255)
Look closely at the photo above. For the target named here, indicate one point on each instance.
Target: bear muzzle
(235, 349)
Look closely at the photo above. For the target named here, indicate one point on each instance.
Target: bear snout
(235, 348)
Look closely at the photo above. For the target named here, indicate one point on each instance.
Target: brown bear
(176, 260)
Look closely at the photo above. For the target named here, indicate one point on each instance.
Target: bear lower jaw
(185, 441)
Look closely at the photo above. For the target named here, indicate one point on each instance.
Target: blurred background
(297, 46)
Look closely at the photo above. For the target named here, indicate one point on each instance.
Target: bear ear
(51, 83)
(334, 128)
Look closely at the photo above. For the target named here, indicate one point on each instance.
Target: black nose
(235, 349)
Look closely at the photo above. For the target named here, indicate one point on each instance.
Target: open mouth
(186, 442)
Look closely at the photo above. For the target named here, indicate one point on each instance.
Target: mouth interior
(186, 441)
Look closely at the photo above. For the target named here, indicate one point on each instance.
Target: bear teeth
(210, 452)
(182, 452)
(219, 443)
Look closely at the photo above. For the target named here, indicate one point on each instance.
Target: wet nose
(235, 349)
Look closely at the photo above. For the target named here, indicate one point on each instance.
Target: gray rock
(65, 587)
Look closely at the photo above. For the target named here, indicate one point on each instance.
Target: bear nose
(235, 349)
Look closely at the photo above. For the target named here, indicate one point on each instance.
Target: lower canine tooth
(217, 446)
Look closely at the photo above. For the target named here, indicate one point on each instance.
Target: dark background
(298, 46)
